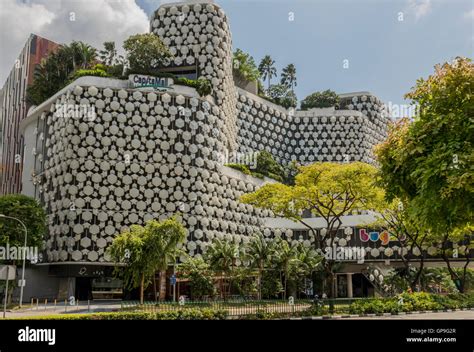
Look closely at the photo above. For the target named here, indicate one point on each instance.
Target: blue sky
(385, 55)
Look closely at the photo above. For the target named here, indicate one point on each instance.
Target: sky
(381, 46)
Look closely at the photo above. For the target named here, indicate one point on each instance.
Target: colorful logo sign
(374, 236)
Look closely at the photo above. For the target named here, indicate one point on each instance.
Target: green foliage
(29, 211)
(267, 69)
(240, 167)
(54, 72)
(327, 190)
(200, 277)
(288, 77)
(410, 302)
(179, 314)
(323, 99)
(146, 249)
(97, 71)
(281, 95)
(267, 166)
(272, 286)
(202, 85)
(145, 53)
(429, 160)
(244, 68)
(222, 255)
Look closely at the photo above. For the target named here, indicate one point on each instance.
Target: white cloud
(469, 15)
(420, 7)
(96, 21)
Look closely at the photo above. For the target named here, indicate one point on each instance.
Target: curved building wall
(143, 155)
(198, 34)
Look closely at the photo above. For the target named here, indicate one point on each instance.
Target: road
(464, 314)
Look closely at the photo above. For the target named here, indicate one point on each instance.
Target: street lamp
(24, 255)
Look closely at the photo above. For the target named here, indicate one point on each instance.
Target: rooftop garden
(144, 54)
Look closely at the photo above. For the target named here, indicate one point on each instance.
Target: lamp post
(24, 255)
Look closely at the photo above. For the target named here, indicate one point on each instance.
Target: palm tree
(284, 257)
(288, 77)
(267, 69)
(109, 54)
(307, 261)
(222, 257)
(162, 245)
(83, 55)
(260, 252)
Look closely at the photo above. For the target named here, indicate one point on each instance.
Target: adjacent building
(14, 108)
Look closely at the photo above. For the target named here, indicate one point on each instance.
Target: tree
(145, 53)
(267, 69)
(147, 249)
(288, 77)
(398, 220)
(323, 99)
(222, 257)
(200, 277)
(55, 71)
(114, 63)
(281, 95)
(327, 190)
(305, 263)
(108, 55)
(260, 252)
(428, 160)
(30, 212)
(83, 55)
(267, 166)
(244, 68)
(285, 254)
(12, 233)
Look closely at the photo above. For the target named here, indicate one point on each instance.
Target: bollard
(32, 302)
(88, 305)
(55, 304)
(45, 303)
(37, 303)
(77, 305)
(65, 305)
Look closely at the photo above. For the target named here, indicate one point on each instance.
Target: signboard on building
(144, 81)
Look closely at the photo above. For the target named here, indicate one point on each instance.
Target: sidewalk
(61, 308)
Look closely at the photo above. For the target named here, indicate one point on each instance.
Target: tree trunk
(417, 276)
(154, 287)
(142, 288)
(162, 285)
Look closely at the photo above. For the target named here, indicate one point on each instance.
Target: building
(14, 108)
(103, 154)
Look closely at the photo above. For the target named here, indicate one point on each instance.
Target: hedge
(409, 302)
(182, 314)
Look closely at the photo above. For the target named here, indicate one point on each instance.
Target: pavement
(62, 308)
(456, 315)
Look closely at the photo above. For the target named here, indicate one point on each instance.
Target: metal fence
(239, 308)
